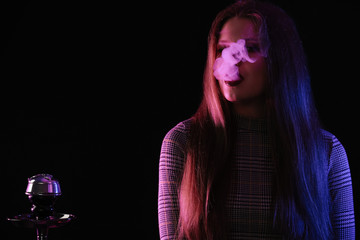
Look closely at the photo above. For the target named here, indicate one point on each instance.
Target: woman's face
(251, 86)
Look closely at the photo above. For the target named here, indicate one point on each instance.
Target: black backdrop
(89, 90)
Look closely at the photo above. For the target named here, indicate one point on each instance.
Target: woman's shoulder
(331, 140)
(179, 130)
(337, 154)
(179, 133)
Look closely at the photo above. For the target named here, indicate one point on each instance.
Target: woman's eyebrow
(221, 42)
(252, 40)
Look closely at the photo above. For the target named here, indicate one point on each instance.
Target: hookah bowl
(43, 191)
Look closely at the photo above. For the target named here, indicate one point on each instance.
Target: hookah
(43, 191)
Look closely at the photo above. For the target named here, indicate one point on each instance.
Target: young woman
(253, 162)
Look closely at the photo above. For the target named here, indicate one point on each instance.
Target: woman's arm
(343, 219)
(170, 172)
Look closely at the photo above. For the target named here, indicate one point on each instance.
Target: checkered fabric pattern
(248, 208)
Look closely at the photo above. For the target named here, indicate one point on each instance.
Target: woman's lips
(234, 83)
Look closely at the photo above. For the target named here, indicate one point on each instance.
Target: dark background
(89, 90)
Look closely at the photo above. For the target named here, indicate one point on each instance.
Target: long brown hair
(301, 199)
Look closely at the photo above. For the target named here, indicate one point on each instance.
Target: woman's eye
(253, 49)
(219, 51)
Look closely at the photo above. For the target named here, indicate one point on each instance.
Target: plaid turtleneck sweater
(248, 209)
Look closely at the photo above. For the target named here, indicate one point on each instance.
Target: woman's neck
(250, 109)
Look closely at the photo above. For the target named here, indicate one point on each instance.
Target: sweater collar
(252, 124)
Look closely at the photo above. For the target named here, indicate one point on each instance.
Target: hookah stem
(42, 232)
